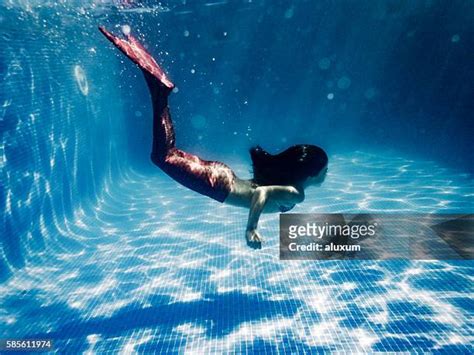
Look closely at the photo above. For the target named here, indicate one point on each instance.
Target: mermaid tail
(210, 178)
(139, 55)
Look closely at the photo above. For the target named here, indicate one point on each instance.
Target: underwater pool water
(103, 253)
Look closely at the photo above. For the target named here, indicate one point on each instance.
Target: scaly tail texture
(210, 178)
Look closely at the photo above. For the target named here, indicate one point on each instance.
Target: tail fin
(134, 50)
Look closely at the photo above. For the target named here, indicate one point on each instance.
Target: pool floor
(155, 267)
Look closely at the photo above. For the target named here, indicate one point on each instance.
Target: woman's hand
(254, 240)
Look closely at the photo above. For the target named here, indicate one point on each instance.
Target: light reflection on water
(146, 269)
(143, 264)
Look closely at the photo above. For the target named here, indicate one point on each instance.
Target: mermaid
(279, 181)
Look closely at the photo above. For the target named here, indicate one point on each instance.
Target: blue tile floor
(155, 267)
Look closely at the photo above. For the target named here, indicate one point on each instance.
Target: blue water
(102, 252)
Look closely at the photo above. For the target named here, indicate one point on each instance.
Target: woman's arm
(263, 194)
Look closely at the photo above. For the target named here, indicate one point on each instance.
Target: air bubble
(324, 63)
(370, 93)
(343, 83)
(186, 33)
(126, 30)
(290, 12)
(330, 96)
(198, 121)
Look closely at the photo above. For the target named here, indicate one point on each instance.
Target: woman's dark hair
(289, 167)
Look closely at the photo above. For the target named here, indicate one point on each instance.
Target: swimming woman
(279, 180)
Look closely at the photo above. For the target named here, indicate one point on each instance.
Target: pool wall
(62, 137)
